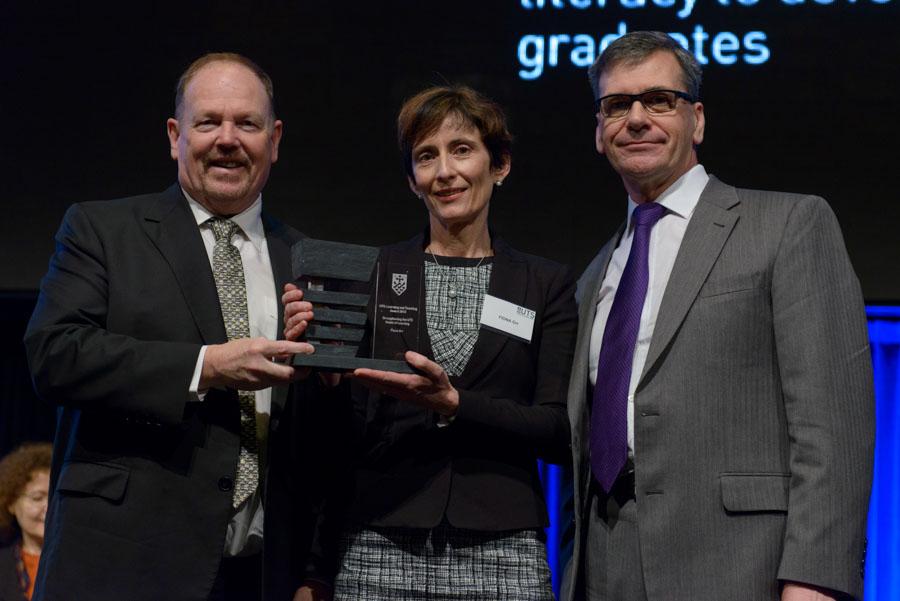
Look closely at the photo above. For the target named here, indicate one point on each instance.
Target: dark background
(86, 89)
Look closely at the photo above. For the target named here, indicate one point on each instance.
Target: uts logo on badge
(398, 283)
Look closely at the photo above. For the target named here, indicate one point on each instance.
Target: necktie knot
(647, 214)
(223, 229)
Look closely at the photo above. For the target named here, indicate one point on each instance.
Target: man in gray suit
(721, 399)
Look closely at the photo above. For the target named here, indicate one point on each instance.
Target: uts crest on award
(357, 322)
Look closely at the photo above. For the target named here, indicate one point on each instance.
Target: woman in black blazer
(447, 501)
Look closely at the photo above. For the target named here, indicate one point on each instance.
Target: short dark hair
(423, 114)
(223, 57)
(16, 471)
(632, 48)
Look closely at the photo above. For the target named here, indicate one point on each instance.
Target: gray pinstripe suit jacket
(754, 413)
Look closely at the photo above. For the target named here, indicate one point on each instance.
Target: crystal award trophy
(364, 314)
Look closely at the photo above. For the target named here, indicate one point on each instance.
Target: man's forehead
(658, 70)
(224, 78)
(225, 74)
(222, 81)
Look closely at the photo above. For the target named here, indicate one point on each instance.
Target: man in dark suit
(157, 316)
(721, 396)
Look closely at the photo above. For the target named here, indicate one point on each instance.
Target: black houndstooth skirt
(442, 564)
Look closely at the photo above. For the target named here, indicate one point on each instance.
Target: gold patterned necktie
(228, 272)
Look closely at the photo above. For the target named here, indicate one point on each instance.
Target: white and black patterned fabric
(443, 564)
(454, 295)
(228, 272)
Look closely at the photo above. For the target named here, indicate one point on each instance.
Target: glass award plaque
(364, 314)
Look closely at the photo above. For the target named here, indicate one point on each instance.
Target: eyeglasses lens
(654, 101)
(616, 106)
(659, 101)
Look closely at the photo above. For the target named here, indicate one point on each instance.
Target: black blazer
(306, 476)
(480, 471)
(142, 478)
(9, 575)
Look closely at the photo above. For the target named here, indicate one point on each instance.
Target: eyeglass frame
(678, 94)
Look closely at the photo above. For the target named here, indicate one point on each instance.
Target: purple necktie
(609, 414)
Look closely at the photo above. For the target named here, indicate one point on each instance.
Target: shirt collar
(682, 196)
(249, 220)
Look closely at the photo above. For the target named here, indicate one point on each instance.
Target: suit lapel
(509, 281)
(707, 232)
(279, 244)
(588, 289)
(586, 295)
(170, 224)
(579, 389)
(410, 254)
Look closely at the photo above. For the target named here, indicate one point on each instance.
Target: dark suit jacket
(754, 411)
(305, 508)
(142, 478)
(9, 575)
(480, 471)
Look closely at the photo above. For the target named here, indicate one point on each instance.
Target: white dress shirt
(679, 199)
(244, 533)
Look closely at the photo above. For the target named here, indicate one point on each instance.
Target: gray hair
(633, 48)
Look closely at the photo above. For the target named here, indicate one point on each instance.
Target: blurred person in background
(24, 484)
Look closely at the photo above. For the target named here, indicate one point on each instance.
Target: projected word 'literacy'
(684, 6)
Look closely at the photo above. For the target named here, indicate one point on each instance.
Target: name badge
(507, 318)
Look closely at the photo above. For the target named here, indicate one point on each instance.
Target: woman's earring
(498, 183)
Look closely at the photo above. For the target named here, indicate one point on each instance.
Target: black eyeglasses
(655, 101)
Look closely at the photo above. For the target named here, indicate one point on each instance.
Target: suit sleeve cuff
(445, 420)
(194, 392)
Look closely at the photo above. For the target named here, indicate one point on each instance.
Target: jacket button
(225, 484)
